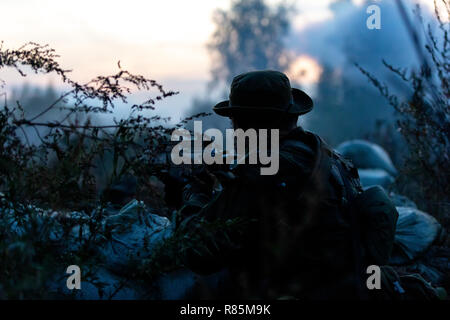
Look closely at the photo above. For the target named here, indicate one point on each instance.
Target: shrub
(62, 166)
(423, 117)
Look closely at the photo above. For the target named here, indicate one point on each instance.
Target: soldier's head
(264, 99)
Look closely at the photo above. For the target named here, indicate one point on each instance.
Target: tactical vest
(367, 217)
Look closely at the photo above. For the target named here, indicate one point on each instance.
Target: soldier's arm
(220, 225)
(214, 225)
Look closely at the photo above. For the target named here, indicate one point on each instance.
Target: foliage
(424, 117)
(59, 169)
(199, 238)
(36, 246)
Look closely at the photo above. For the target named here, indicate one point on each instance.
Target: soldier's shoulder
(295, 161)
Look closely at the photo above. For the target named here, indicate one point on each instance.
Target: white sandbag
(401, 200)
(373, 177)
(135, 231)
(416, 231)
(367, 155)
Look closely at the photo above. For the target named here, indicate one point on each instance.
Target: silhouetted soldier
(292, 234)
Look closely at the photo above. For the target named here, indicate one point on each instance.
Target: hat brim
(302, 104)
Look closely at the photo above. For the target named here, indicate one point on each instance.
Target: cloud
(344, 38)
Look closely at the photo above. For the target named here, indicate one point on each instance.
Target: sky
(163, 40)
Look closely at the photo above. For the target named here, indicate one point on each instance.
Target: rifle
(176, 177)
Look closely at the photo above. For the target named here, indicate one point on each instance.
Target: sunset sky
(164, 40)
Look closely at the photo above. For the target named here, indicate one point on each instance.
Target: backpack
(373, 218)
